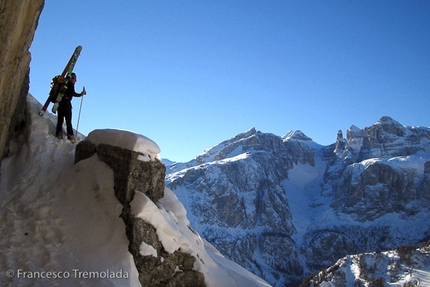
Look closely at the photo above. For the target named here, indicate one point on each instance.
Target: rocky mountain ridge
(406, 266)
(284, 207)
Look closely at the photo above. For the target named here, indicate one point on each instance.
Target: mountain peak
(389, 126)
(249, 132)
(296, 135)
(385, 138)
(221, 150)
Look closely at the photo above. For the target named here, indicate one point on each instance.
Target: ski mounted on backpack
(59, 83)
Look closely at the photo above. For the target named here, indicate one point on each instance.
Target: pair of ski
(65, 76)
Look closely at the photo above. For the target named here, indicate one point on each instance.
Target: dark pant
(64, 112)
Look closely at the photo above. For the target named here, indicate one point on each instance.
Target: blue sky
(190, 74)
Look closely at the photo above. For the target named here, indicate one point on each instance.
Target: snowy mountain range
(62, 222)
(285, 207)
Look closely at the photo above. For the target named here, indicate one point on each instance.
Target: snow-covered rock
(297, 135)
(126, 140)
(130, 171)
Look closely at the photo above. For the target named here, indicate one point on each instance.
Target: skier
(65, 109)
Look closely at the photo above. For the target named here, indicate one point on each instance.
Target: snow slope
(61, 225)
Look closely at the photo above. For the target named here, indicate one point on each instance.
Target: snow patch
(146, 249)
(142, 207)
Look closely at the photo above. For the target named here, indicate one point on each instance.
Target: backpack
(57, 85)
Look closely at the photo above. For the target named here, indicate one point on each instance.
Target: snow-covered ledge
(134, 159)
(126, 140)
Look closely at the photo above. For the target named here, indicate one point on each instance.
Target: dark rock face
(160, 270)
(377, 190)
(424, 190)
(130, 175)
(18, 22)
(19, 121)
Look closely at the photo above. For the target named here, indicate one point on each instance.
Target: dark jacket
(70, 92)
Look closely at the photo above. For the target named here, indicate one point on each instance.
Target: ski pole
(79, 116)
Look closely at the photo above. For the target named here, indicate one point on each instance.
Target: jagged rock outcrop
(369, 175)
(131, 175)
(406, 266)
(386, 137)
(18, 22)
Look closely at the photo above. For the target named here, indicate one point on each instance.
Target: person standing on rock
(65, 109)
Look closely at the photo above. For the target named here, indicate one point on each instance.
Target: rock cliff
(379, 170)
(131, 175)
(18, 22)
